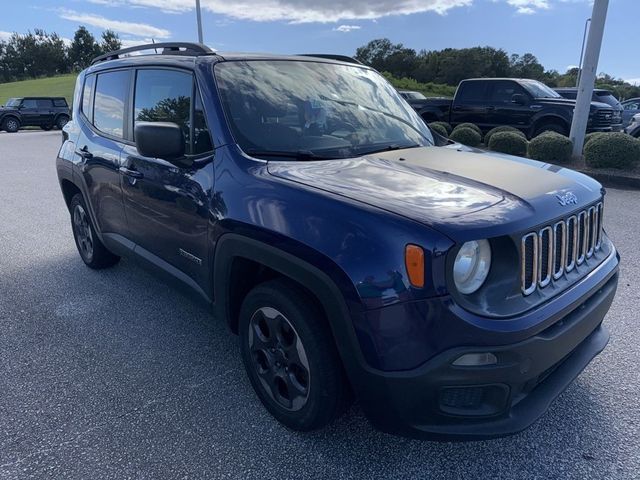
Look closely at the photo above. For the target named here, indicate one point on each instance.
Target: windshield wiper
(297, 154)
(381, 112)
(390, 148)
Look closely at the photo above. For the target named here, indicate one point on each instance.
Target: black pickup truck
(528, 105)
(43, 112)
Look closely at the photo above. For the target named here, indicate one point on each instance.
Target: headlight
(471, 266)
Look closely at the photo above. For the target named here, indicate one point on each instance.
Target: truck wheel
(92, 251)
(46, 127)
(61, 122)
(290, 357)
(551, 127)
(11, 125)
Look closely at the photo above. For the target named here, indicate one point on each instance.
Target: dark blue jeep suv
(455, 293)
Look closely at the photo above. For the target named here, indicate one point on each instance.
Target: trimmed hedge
(591, 136)
(472, 126)
(551, 147)
(508, 142)
(446, 125)
(505, 128)
(466, 136)
(612, 150)
(439, 128)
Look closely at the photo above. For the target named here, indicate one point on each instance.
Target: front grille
(603, 118)
(557, 249)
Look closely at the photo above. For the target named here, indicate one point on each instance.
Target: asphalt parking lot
(113, 374)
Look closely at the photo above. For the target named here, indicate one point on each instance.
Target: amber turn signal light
(414, 261)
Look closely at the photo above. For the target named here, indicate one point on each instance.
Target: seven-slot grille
(555, 249)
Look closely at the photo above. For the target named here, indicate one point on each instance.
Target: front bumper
(441, 401)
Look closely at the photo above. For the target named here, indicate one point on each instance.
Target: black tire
(551, 127)
(61, 121)
(280, 328)
(92, 251)
(46, 127)
(11, 124)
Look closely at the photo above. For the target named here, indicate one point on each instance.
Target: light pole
(584, 39)
(199, 19)
(588, 76)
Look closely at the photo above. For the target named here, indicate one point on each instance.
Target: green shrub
(508, 142)
(591, 136)
(446, 125)
(466, 136)
(472, 126)
(613, 150)
(439, 128)
(505, 128)
(551, 147)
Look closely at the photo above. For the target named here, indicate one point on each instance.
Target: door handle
(491, 109)
(84, 153)
(130, 173)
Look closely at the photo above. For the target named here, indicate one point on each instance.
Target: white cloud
(347, 28)
(304, 11)
(131, 28)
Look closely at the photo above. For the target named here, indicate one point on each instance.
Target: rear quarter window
(59, 102)
(87, 97)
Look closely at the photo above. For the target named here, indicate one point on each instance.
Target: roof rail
(170, 48)
(330, 56)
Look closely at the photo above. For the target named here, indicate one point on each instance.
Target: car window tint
(503, 92)
(201, 136)
(471, 92)
(59, 102)
(108, 109)
(44, 103)
(164, 96)
(87, 97)
(29, 103)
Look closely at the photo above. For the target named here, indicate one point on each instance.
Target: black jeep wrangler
(43, 112)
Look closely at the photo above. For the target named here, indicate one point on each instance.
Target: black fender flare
(231, 245)
(551, 118)
(431, 111)
(10, 115)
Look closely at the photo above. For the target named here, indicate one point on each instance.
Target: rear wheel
(290, 357)
(92, 251)
(11, 125)
(46, 127)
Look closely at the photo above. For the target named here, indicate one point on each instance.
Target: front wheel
(551, 127)
(290, 357)
(92, 251)
(11, 125)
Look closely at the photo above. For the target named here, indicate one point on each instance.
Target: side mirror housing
(159, 140)
(519, 99)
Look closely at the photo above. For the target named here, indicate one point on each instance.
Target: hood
(571, 103)
(460, 192)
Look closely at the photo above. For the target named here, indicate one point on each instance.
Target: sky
(550, 29)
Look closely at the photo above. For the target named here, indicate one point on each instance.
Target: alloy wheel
(83, 232)
(279, 358)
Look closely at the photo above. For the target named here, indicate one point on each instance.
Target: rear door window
(44, 103)
(110, 98)
(472, 92)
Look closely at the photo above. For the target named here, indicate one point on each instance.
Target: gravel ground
(115, 375)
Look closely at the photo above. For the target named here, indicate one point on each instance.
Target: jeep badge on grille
(568, 198)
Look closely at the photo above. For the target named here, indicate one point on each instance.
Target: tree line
(41, 54)
(451, 65)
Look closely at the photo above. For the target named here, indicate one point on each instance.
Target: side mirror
(519, 99)
(159, 140)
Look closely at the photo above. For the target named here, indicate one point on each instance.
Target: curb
(613, 180)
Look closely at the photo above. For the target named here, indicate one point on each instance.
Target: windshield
(415, 95)
(309, 110)
(13, 102)
(608, 98)
(539, 89)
